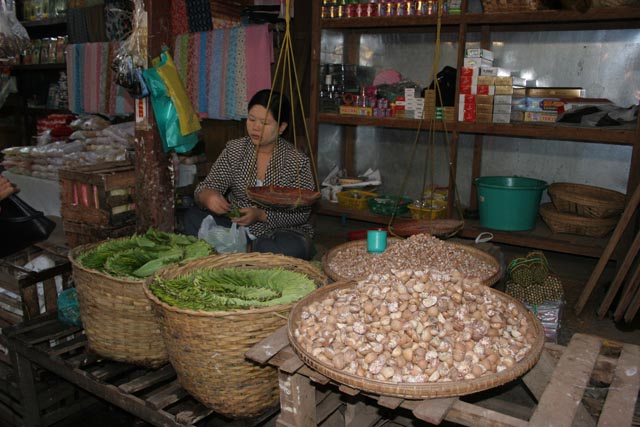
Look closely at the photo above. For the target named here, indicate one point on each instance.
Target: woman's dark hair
(279, 102)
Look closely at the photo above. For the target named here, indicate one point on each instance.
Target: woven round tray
(561, 222)
(207, 349)
(362, 245)
(282, 197)
(415, 390)
(437, 227)
(586, 200)
(117, 317)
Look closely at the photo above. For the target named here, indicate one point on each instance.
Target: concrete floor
(573, 270)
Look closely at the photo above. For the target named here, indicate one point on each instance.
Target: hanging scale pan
(282, 197)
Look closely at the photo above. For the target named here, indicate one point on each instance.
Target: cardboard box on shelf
(478, 53)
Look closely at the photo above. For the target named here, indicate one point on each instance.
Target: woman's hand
(214, 201)
(6, 188)
(250, 216)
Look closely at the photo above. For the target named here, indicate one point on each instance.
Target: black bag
(21, 225)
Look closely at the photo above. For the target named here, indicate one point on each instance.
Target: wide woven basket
(561, 222)
(439, 227)
(207, 348)
(494, 6)
(362, 244)
(414, 390)
(283, 197)
(586, 200)
(118, 318)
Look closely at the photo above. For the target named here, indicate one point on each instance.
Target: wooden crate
(101, 195)
(57, 398)
(21, 297)
(79, 233)
(558, 382)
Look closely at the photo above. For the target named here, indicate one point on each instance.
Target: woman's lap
(285, 242)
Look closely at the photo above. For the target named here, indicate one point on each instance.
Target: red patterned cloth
(179, 22)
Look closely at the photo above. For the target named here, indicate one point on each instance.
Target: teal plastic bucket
(509, 203)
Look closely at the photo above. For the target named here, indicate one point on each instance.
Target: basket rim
(477, 253)
(168, 272)
(548, 210)
(594, 195)
(416, 390)
(74, 253)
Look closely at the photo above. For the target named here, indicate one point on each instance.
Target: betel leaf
(135, 257)
(219, 289)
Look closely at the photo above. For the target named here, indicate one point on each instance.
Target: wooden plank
(471, 415)
(50, 295)
(538, 378)
(360, 414)
(191, 417)
(292, 365)
(297, 401)
(434, 411)
(619, 277)
(603, 371)
(110, 370)
(30, 307)
(349, 391)
(620, 403)
(165, 373)
(631, 288)
(327, 407)
(625, 219)
(634, 306)
(268, 347)
(166, 395)
(562, 396)
(390, 402)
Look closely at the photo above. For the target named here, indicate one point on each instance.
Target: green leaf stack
(140, 256)
(232, 288)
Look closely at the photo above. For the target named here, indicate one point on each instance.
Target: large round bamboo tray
(118, 318)
(207, 348)
(362, 245)
(586, 200)
(560, 222)
(415, 390)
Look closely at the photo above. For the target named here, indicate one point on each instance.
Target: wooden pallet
(153, 395)
(558, 382)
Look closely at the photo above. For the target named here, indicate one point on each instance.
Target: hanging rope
(286, 76)
(430, 151)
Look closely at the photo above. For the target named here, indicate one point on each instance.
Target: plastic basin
(509, 203)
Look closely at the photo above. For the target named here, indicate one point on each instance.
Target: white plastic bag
(14, 38)
(224, 240)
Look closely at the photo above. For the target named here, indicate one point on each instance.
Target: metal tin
(340, 13)
(350, 10)
(410, 8)
(400, 9)
(360, 10)
(380, 9)
(370, 10)
(333, 11)
(421, 8)
(389, 9)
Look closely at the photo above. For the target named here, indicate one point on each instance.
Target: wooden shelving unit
(485, 24)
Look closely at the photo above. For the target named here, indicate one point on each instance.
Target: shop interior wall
(602, 62)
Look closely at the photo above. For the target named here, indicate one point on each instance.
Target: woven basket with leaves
(206, 348)
(117, 316)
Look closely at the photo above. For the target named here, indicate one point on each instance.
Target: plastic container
(509, 203)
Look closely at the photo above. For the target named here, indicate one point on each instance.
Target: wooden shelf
(39, 67)
(61, 20)
(540, 237)
(610, 135)
(602, 17)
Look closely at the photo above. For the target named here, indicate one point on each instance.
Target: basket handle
(484, 237)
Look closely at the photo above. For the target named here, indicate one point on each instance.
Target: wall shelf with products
(483, 25)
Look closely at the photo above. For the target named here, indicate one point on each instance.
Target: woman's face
(259, 118)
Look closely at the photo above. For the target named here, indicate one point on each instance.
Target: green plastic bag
(167, 116)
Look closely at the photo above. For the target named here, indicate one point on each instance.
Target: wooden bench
(558, 383)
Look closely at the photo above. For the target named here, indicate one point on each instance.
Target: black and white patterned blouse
(287, 167)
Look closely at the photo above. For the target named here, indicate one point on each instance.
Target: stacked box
(100, 199)
(471, 85)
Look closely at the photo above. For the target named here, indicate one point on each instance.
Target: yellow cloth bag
(187, 117)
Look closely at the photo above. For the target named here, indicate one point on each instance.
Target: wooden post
(155, 186)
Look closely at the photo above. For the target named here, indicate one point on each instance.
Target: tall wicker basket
(207, 349)
(117, 316)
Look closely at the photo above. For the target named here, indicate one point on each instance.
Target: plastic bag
(68, 309)
(189, 121)
(224, 240)
(167, 116)
(14, 38)
(131, 57)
